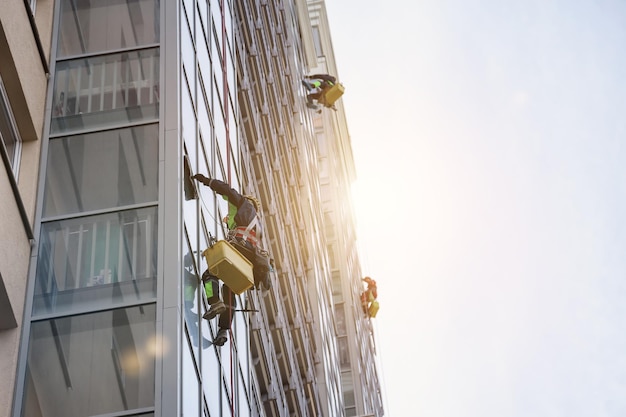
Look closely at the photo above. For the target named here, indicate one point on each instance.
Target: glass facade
(95, 344)
(92, 345)
(96, 260)
(359, 382)
(97, 26)
(91, 364)
(144, 94)
(209, 134)
(102, 170)
(107, 90)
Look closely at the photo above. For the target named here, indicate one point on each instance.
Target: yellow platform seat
(373, 310)
(333, 94)
(226, 263)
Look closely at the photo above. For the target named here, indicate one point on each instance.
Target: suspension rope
(228, 151)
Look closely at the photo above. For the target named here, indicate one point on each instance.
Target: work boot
(221, 337)
(217, 308)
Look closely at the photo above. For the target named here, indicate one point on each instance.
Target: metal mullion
(101, 211)
(120, 125)
(114, 86)
(102, 84)
(133, 252)
(130, 413)
(50, 274)
(148, 240)
(78, 90)
(79, 256)
(120, 250)
(68, 75)
(93, 250)
(151, 80)
(138, 85)
(89, 99)
(87, 310)
(66, 241)
(107, 251)
(127, 82)
(109, 52)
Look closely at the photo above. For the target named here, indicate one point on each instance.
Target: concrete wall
(25, 79)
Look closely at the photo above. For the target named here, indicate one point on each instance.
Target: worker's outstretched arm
(325, 77)
(221, 188)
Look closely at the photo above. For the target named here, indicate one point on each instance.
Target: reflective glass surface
(191, 385)
(89, 26)
(344, 352)
(8, 134)
(104, 91)
(211, 373)
(102, 170)
(96, 260)
(91, 364)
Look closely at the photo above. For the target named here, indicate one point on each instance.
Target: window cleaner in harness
(368, 298)
(244, 234)
(322, 89)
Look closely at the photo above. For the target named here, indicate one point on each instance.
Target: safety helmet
(255, 202)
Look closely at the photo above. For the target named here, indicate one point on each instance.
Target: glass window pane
(191, 385)
(340, 319)
(344, 352)
(96, 260)
(89, 26)
(102, 170)
(8, 130)
(106, 90)
(187, 53)
(337, 291)
(211, 372)
(92, 364)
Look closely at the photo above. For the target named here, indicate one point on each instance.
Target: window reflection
(91, 364)
(106, 90)
(102, 170)
(191, 385)
(9, 135)
(89, 26)
(344, 352)
(96, 259)
(340, 319)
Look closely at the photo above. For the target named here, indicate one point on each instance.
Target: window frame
(5, 106)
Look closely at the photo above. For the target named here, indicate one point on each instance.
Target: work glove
(204, 180)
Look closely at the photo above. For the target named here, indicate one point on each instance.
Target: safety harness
(247, 233)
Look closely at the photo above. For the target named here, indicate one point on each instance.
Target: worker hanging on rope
(368, 298)
(244, 233)
(322, 89)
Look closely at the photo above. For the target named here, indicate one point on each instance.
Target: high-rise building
(354, 332)
(101, 276)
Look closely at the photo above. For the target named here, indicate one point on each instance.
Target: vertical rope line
(228, 150)
(226, 90)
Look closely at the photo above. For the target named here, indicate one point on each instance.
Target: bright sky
(490, 143)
